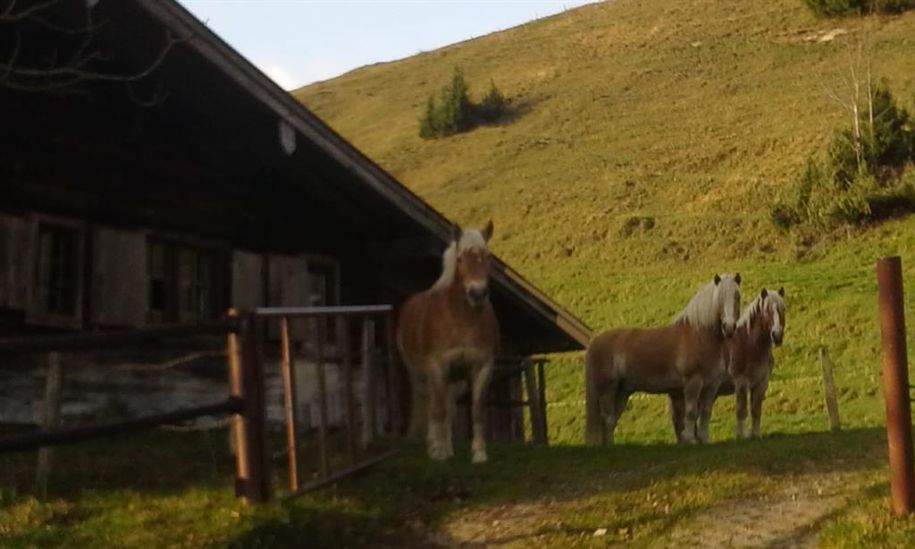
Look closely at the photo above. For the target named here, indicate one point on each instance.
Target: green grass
(173, 490)
(695, 114)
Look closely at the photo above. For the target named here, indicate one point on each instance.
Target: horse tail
(594, 421)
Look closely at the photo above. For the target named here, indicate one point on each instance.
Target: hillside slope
(694, 114)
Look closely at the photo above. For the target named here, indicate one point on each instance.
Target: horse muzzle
(728, 329)
(477, 295)
(777, 338)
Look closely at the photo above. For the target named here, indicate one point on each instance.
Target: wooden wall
(117, 289)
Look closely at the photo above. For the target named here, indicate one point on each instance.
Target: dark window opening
(186, 283)
(322, 284)
(58, 269)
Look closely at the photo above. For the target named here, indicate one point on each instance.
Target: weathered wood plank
(51, 419)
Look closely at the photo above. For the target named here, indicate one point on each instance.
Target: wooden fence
(246, 346)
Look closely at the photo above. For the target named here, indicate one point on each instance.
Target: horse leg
(419, 403)
(594, 416)
(691, 392)
(740, 393)
(619, 404)
(706, 401)
(757, 397)
(675, 402)
(608, 410)
(481, 378)
(438, 414)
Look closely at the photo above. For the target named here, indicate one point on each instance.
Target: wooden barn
(164, 179)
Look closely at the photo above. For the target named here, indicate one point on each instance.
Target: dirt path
(788, 518)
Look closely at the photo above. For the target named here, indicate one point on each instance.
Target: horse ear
(737, 279)
(487, 231)
(781, 291)
(763, 293)
(717, 280)
(456, 232)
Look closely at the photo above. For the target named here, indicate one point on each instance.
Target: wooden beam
(405, 249)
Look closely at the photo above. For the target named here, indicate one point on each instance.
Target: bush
(454, 112)
(864, 177)
(832, 8)
(493, 106)
(835, 8)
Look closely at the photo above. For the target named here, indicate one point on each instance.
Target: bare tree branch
(9, 14)
(56, 64)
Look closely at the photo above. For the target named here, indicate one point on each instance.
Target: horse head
(727, 300)
(472, 262)
(773, 313)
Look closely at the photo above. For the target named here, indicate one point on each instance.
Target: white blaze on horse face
(776, 313)
(727, 294)
(473, 266)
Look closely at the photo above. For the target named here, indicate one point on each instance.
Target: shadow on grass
(409, 496)
(407, 499)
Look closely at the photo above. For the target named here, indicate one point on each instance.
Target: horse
(445, 332)
(750, 362)
(687, 355)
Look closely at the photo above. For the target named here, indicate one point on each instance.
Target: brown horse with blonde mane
(445, 333)
(686, 356)
(760, 327)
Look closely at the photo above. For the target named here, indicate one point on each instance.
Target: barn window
(59, 276)
(56, 255)
(323, 283)
(186, 282)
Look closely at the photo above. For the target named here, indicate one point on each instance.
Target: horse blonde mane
(755, 307)
(702, 309)
(471, 238)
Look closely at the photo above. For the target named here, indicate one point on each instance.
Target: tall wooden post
(896, 384)
(368, 380)
(538, 427)
(392, 380)
(317, 324)
(50, 420)
(541, 386)
(246, 382)
(829, 391)
(346, 363)
(288, 367)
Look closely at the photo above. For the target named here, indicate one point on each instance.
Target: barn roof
(243, 110)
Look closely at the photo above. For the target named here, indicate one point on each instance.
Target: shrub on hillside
(833, 8)
(454, 112)
(493, 106)
(867, 174)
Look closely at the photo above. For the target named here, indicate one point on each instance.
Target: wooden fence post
(533, 398)
(49, 421)
(318, 331)
(346, 363)
(246, 382)
(829, 390)
(896, 384)
(541, 385)
(392, 380)
(287, 364)
(368, 381)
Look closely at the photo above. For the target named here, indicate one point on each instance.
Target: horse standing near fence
(447, 331)
(750, 362)
(688, 356)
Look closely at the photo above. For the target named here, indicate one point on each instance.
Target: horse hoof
(480, 457)
(438, 453)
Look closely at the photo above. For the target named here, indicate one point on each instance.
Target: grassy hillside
(696, 114)
(693, 113)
